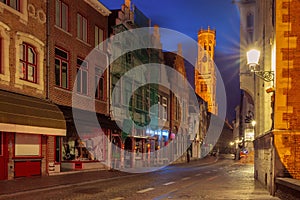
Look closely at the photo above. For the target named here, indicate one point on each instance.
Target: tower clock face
(204, 58)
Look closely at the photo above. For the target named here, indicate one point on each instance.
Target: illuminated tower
(205, 74)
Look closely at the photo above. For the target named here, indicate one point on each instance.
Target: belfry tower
(205, 74)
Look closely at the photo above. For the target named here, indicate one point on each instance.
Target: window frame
(82, 68)
(98, 38)
(82, 31)
(60, 13)
(99, 89)
(165, 108)
(24, 60)
(8, 3)
(57, 149)
(203, 87)
(16, 155)
(65, 60)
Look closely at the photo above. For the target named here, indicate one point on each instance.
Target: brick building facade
(77, 68)
(29, 121)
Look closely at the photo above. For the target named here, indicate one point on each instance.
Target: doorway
(3, 156)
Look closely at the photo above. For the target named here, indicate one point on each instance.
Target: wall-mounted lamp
(252, 62)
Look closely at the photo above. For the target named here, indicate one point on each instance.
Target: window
(177, 107)
(92, 148)
(127, 91)
(184, 119)
(61, 15)
(129, 58)
(98, 37)
(61, 68)
(138, 100)
(81, 27)
(160, 109)
(116, 91)
(28, 63)
(99, 83)
(82, 76)
(165, 108)
(203, 87)
(250, 26)
(15, 4)
(27, 145)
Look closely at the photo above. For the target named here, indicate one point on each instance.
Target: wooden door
(3, 156)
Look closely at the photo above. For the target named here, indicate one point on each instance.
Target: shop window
(61, 68)
(15, 4)
(99, 37)
(139, 147)
(28, 63)
(27, 145)
(61, 15)
(92, 148)
(81, 27)
(99, 84)
(82, 76)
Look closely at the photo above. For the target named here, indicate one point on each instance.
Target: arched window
(250, 26)
(250, 20)
(28, 63)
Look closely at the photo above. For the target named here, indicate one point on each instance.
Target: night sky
(188, 17)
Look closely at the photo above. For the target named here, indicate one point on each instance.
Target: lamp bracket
(267, 76)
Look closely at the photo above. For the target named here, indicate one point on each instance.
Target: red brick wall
(76, 48)
(51, 148)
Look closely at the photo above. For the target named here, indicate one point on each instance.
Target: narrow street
(223, 179)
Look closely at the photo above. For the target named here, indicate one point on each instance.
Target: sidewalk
(64, 179)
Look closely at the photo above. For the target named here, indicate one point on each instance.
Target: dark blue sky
(187, 17)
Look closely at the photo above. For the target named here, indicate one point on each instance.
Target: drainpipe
(47, 50)
(47, 80)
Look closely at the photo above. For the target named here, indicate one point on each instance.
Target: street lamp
(252, 62)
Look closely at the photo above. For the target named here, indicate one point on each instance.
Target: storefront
(26, 124)
(87, 145)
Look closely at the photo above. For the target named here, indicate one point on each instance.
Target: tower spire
(128, 3)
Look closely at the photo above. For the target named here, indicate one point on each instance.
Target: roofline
(99, 7)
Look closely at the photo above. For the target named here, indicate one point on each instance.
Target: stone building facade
(275, 33)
